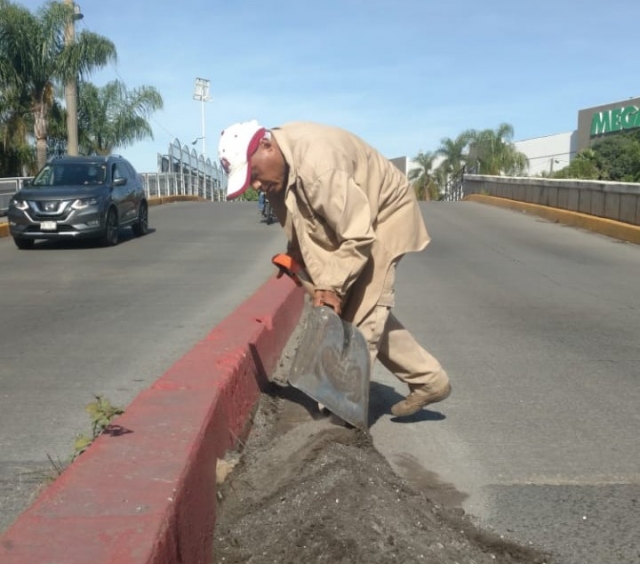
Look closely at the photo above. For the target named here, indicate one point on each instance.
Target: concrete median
(145, 491)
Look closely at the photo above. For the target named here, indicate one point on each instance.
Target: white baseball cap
(237, 143)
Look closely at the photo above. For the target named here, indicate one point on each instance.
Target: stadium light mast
(201, 93)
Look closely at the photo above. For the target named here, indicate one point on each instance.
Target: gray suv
(79, 197)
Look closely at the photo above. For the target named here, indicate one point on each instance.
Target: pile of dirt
(306, 489)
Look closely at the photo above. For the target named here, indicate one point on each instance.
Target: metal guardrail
(8, 187)
(162, 184)
(156, 185)
(454, 189)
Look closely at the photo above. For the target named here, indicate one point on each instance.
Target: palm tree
(34, 57)
(57, 122)
(454, 151)
(421, 175)
(111, 116)
(440, 177)
(16, 156)
(492, 152)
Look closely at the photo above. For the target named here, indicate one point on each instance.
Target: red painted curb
(146, 493)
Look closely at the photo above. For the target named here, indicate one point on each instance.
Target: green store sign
(617, 119)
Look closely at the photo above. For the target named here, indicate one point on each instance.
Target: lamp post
(71, 87)
(201, 93)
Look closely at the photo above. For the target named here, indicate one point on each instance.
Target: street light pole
(204, 138)
(201, 93)
(71, 87)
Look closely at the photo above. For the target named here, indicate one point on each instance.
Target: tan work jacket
(349, 212)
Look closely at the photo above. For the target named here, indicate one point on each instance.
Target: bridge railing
(156, 185)
(619, 201)
(454, 189)
(8, 187)
(162, 184)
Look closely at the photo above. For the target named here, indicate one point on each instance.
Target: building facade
(554, 152)
(609, 119)
(548, 153)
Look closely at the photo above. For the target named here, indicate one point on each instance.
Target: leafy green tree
(618, 156)
(250, 195)
(34, 57)
(493, 152)
(421, 179)
(584, 166)
(111, 116)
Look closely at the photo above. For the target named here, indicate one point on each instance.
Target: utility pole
(71, 87)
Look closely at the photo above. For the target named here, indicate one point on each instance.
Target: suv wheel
(141, 227)
(110, 237)
(23, 244)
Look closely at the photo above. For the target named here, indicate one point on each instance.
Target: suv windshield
(71, 174)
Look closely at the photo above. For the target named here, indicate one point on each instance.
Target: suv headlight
(84, 203)
(19, 204)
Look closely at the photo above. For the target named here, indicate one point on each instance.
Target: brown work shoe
(420, 397)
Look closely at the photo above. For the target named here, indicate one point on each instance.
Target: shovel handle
(289, 266)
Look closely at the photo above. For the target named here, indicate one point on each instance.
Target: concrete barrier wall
(604, 226)
(617, 201)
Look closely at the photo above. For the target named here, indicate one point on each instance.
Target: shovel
(332, 362)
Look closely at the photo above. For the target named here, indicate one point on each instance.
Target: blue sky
(400, 74)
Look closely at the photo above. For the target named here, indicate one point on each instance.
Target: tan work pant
(395, 347)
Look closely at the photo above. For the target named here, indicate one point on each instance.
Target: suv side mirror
(120, 181)
(26, 182)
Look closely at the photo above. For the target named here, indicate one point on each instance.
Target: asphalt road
(78, 320)
(538, 325)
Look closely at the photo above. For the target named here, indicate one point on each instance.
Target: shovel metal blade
(332, 366)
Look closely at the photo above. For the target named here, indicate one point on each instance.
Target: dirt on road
(307, 489)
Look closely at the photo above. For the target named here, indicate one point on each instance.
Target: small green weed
(102, 413)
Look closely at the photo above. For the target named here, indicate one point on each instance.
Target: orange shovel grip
(287, 265)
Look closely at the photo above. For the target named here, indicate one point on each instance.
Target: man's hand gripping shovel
(332, 362)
